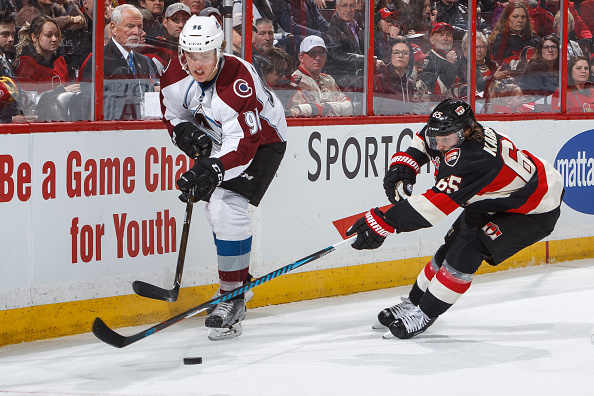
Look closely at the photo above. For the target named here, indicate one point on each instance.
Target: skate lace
(398, 309)
(223, 309)
(416, 320)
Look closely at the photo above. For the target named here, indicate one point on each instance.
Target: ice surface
(519, 332)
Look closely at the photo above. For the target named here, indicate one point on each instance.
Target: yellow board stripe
(57, 320)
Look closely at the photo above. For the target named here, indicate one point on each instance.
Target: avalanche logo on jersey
(242, 88)
(451, 157)
(492, 230)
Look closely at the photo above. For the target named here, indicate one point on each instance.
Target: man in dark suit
(127, 73)
(345, 41)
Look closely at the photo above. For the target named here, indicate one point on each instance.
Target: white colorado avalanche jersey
(238, 110)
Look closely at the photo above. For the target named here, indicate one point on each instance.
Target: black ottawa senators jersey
(485, 175)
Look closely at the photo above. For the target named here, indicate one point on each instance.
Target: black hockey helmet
(449, 116)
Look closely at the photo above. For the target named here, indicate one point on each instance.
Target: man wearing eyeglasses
(317, 93)
(345, 41)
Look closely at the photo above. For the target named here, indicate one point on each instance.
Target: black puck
(193, 360)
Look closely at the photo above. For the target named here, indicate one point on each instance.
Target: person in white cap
(219, 112)
(317, 93)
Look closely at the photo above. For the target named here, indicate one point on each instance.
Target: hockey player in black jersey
(511, 200)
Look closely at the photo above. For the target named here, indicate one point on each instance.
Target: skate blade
(218, 334)
(378, 326)
(388, 336)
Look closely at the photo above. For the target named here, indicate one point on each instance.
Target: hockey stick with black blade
(107, 335)
(151, 291)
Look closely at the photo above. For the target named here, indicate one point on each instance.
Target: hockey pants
(227, 214)
(475, 237)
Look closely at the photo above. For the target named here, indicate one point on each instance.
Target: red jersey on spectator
(542, 19)
(35, 73)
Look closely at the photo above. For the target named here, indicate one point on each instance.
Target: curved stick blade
(107, 335)
(147, 290)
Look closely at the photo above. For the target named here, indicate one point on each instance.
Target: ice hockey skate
(248, 296)
(388, 315)
(413, 323)
(225, 321)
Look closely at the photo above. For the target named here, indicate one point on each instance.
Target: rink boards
(84, 214)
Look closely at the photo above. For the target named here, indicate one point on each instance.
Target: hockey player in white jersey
(218, 111)
(511, 200)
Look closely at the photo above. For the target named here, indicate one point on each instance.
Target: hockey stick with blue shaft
(107, 335)
(151, 291)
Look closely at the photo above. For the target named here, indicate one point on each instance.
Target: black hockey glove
(401, 177)
(372, 229)
(192, 140)
(199, 182)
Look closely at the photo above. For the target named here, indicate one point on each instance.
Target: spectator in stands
(456, 15)
(586, 11)
(305, 16)
(420, 18)
(262, 39)
(345, 41)
(317, 93)
(487, 69)
(156, 7)
(442, 66)
(130, 71)
(166, 46)
(10, 110)
(500, 6)
(580, 92)
(7, 31)
(195, 6)
(541, 76)
(542, 19)
(277, 67)
(512, 42)
(174, 20)
(277, 73)
(153, 26)
(70, 21)
(387, 27)
(57, 12)
(39, 67)
(508, 99)
(393, 87)
(74, 36)
(573, 47)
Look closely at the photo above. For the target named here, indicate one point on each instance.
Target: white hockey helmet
(201, 34)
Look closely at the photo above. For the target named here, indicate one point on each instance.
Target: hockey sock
(423, 281)
(233, 262)
(445, 289)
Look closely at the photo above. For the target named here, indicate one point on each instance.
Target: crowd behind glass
(310, 52)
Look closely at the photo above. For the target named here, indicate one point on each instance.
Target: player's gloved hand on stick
(401, 177)
(199, 182)
(372, 229)
(192, 140)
